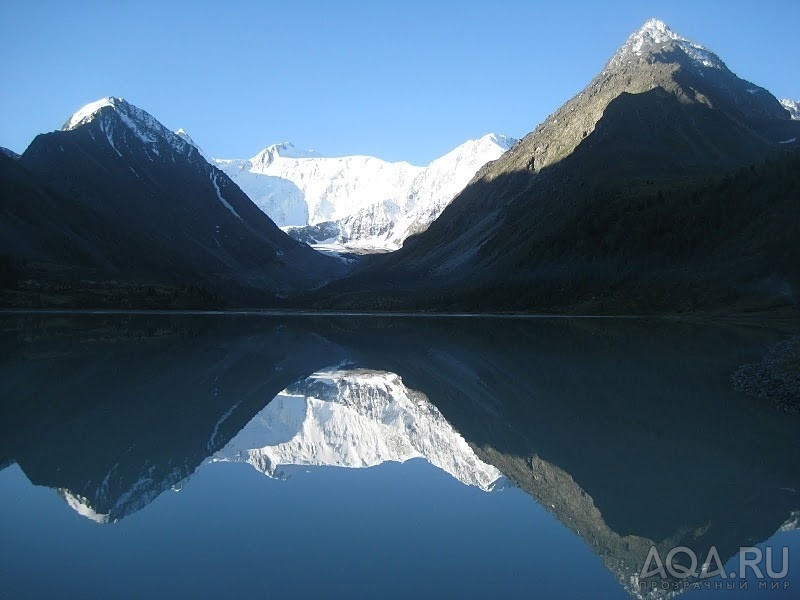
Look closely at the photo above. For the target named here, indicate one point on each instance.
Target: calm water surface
(254, 456)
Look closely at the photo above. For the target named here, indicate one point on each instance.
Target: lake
(296, 456)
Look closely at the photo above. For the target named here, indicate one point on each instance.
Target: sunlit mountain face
(354, 418)
(536, 444)
(665, 185)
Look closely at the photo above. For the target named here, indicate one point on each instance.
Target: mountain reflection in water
(628, 432)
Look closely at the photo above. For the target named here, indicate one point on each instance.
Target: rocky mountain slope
(8, 153)
(664, 119)
(793, 108)
(169, 214)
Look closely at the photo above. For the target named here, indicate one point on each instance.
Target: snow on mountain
(655, 32)
(344, 418)
(283, 150)
(792, 523)
(354, 419)
(81, 506)
(793, 108)
(149, 131)
(181, 216)
(373, 204)
(279, 198)
(299, 187)
(135, 120)
(87, 112)
(429, 194)
(181, 133)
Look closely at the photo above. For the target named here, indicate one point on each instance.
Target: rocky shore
(775, 378)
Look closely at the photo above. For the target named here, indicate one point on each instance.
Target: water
(208, 456)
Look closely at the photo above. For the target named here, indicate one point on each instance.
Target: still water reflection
(294, 457)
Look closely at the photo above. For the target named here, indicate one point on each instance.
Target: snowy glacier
(354, 419)
(371, 203)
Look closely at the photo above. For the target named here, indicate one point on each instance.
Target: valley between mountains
(668, 184)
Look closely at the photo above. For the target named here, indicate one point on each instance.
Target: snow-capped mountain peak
(655, 33)
(503, 141)
(493, 140)
(181, 133)
(134, 134)
(86, 113)
(385, 224)
(793, 107)
(354, 419)
(283, 150)
(300, 187)
(359, 202)
(138, 122)
(289, 150)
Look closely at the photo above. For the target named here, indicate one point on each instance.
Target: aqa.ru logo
(681, 563)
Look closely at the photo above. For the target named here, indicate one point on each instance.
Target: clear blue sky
(399, 80)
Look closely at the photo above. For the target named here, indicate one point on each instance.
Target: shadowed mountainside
(608, 205)
(134, 201)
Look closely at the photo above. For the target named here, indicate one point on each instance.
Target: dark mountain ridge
(665, 119)
(8, 153)
(157, 209)
(621, 201)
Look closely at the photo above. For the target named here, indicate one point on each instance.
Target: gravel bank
(775, 378)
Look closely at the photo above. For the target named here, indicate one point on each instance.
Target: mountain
(300, 187)
(793, 108)
(354, 418)
(181, 133)
(144, 403)
(8, 153)
(646, 191)
(182, 219)
(357, 202)
(577, 412)
(444, 178)
(163, 394)
(40, 224)
(57, 252)
(385, 225)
